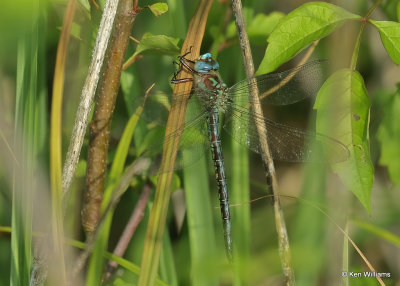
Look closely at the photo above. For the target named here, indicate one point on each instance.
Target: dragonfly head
(205, 63)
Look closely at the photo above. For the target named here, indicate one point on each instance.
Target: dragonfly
(210, 98)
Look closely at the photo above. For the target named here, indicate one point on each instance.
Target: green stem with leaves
(364, 21)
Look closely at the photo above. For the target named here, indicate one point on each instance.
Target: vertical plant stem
(240, 192)
(284, 249)
(101, 122)
(25, 145)
(95, 265)
(202, 239)
(40, 261)
(88, 92)
(176, 119)
(21, 216)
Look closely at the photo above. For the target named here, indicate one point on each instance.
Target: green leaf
(390, 36)
(158, 8)
(309, 22)
(75, 31)
(240, 192)
(343, 113)
(29, 123)
(389, 136)
(118, 164)
(156, 45)
(202, 238)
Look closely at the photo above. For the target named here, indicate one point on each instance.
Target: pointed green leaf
(121, 154)
(156, 45)
(158, 8)
(75, 31)
(202, 236)
(96, 263)
(298, 29)
(390, 36)
(343, 113)
(389, 137)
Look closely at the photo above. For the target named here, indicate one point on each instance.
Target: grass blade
(155, 230)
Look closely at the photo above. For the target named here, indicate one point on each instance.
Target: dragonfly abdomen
(219, 167)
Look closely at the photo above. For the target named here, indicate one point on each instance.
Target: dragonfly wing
(193, 134)
(285, 143)
(158, 105)
(193, 143)
(282, 88)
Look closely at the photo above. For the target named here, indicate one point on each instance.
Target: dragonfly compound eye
(206, 63)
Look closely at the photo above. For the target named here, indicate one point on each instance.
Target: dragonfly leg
(178, 71)
(183, 63)
(184, 56)
(181, 80)
(175, 80)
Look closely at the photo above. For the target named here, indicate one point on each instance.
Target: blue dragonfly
(210, 97)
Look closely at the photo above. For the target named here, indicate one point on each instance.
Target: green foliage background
(361, 195)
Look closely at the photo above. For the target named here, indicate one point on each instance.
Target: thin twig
(284, 249)
(129, 230)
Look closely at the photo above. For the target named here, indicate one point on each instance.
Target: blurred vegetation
(316, 198)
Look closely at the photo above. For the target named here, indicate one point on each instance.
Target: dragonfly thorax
(210, 89)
